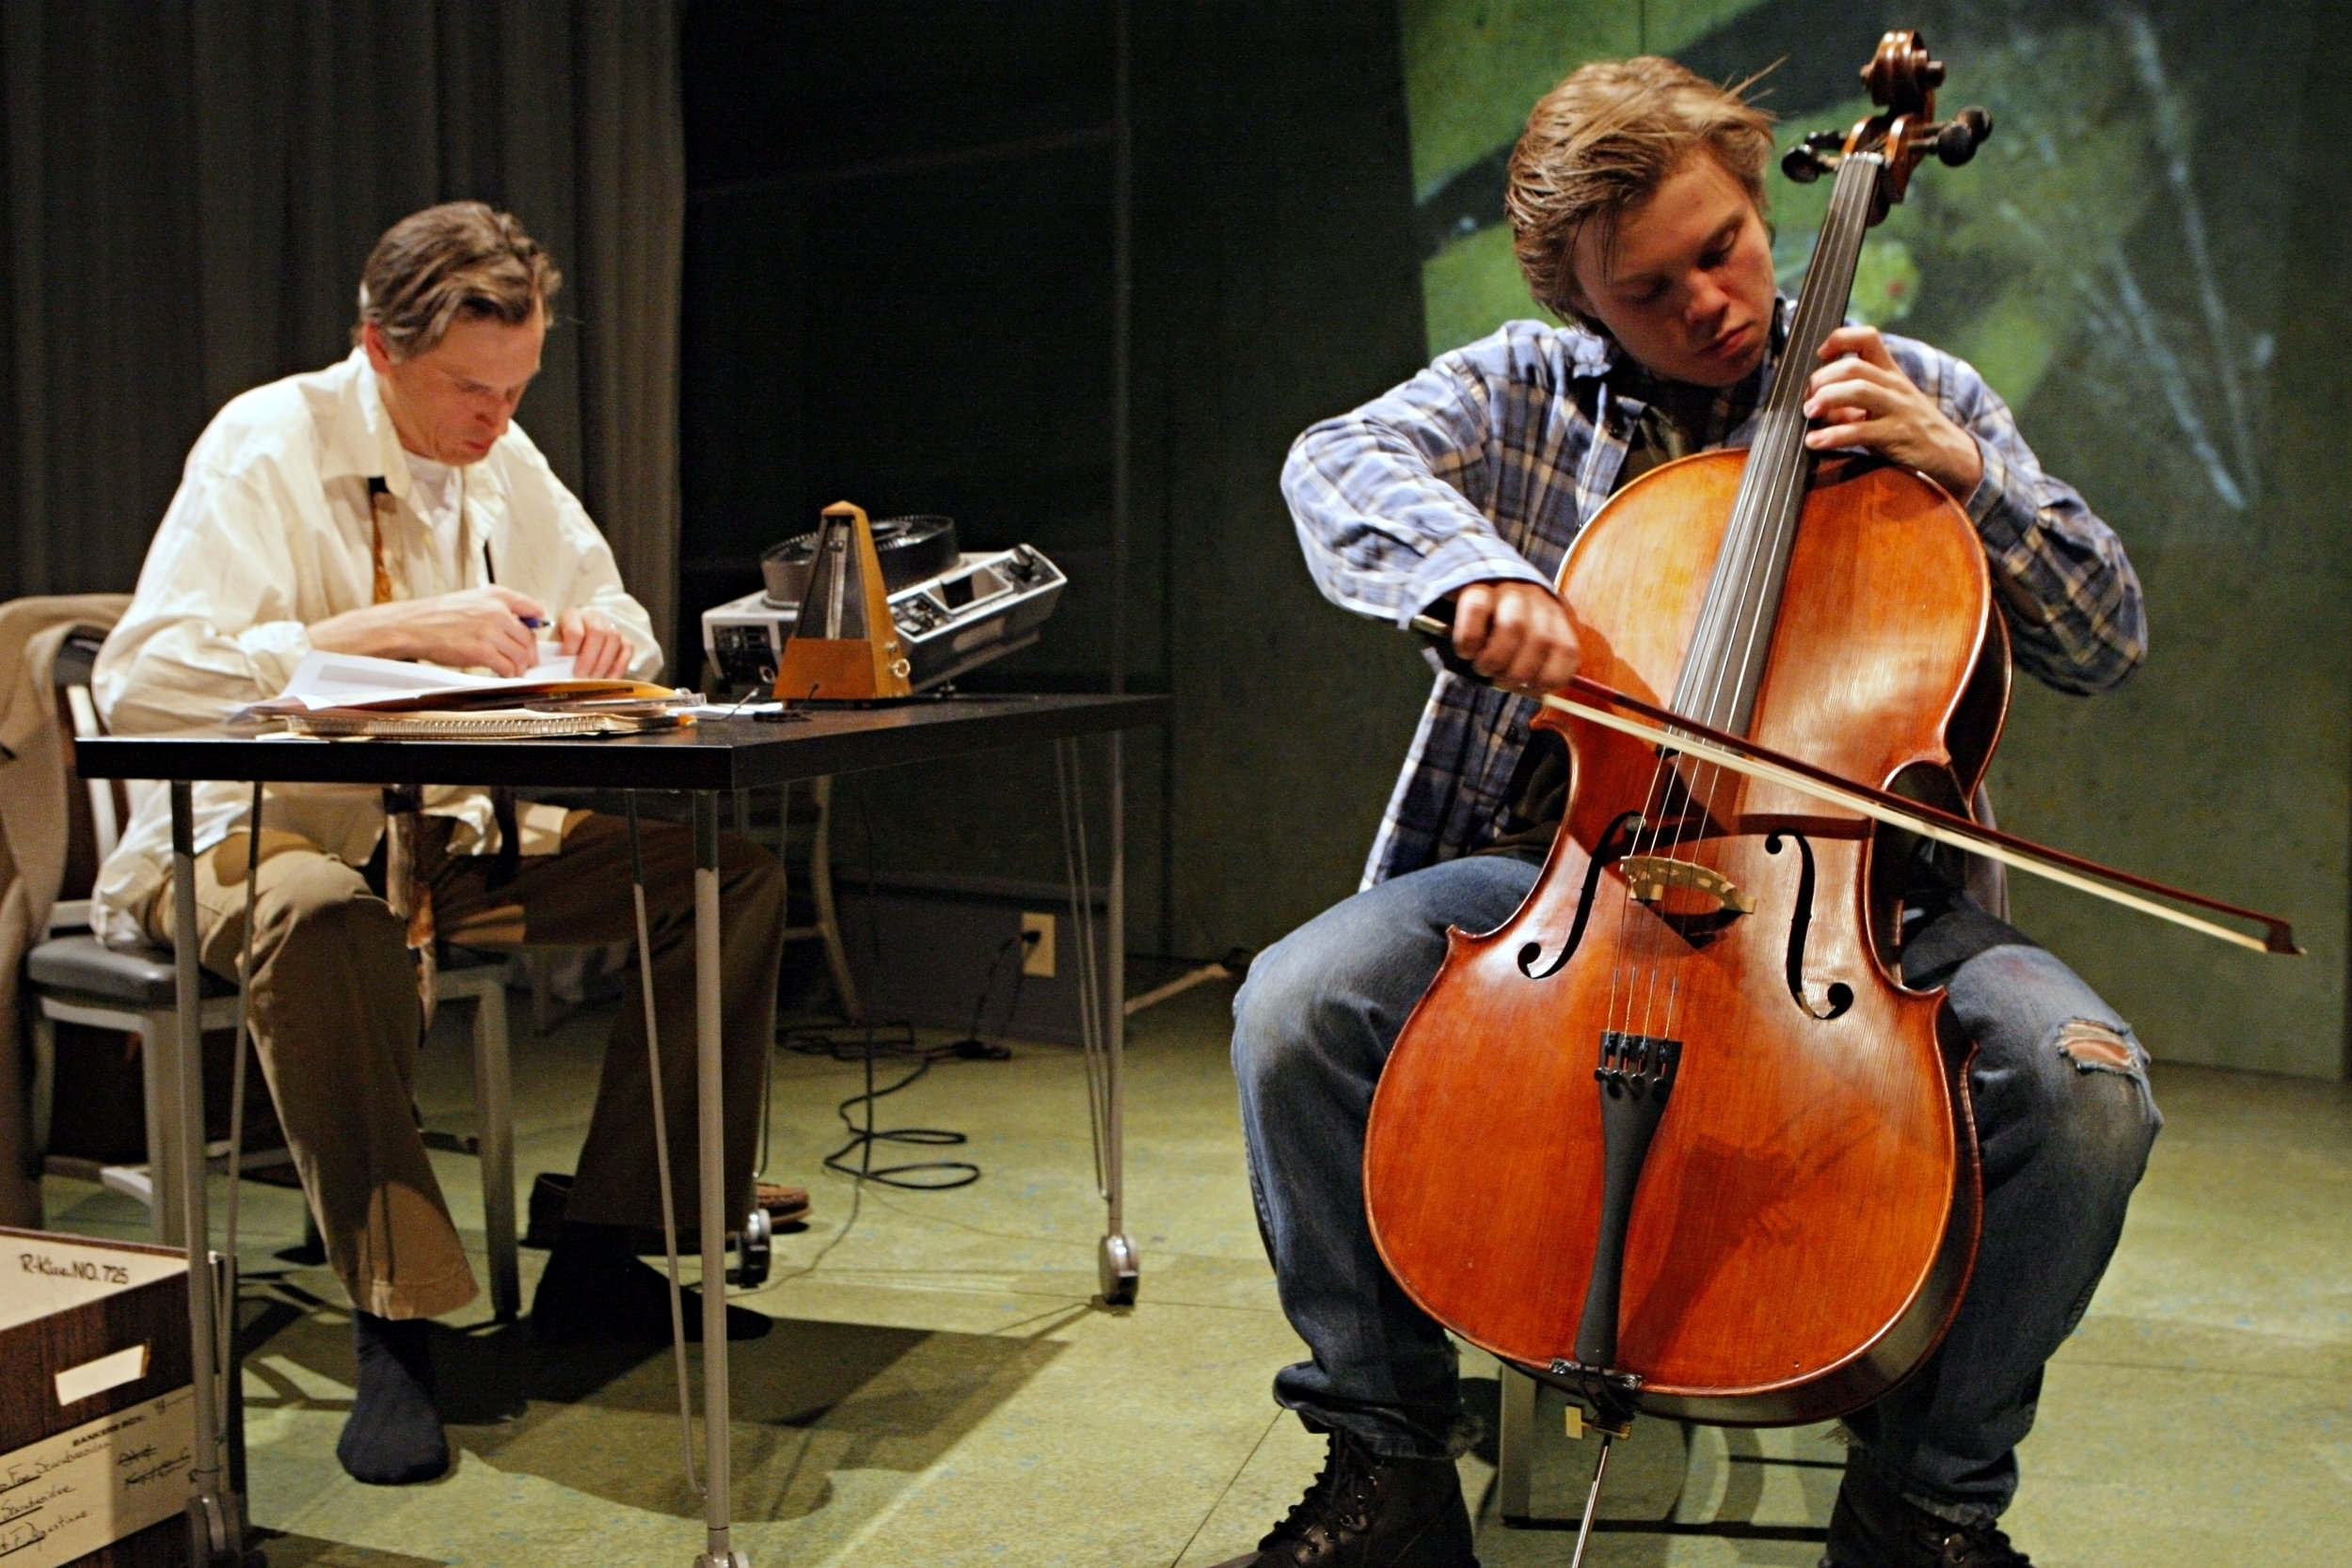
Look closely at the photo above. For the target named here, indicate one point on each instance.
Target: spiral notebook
(514, 723)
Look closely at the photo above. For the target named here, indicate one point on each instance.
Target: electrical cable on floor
(972, 1047)
(868, 1045)
(869, 1048)
(912, 1175)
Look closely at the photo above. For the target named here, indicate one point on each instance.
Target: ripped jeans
(2064, 1121)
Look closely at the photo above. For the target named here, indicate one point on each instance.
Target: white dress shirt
(273, 530)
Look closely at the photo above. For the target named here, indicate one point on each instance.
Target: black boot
(394, 1434)
(1874, 1525)
(1366, 1512)
(594, 1288)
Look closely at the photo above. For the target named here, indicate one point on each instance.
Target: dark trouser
(2063, 1115)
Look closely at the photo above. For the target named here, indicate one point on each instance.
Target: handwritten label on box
(57, 1273)
(65, 1497)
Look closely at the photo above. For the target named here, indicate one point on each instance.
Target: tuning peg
(1813, 157)
(1956, 142)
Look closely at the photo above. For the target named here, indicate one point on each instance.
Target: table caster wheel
(1117, 1268)
(753, 1252)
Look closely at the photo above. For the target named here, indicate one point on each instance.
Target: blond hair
(1600, 144)
(458, 258)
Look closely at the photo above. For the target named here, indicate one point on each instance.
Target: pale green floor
(941, 1388)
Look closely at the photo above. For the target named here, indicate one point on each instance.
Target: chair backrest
(96, 809)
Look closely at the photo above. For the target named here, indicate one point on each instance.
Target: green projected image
(2079, 232)
(2129, 261)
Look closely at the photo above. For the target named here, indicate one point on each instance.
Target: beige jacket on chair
(33, 818)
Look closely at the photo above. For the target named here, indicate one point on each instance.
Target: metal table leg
(710, 1101)
(1120, 1268)
(1102, 1009)
(215, 1512)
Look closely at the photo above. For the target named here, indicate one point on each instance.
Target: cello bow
(1609, 707)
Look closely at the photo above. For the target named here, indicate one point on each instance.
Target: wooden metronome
(844, 645)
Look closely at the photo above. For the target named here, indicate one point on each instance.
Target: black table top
(715, 755)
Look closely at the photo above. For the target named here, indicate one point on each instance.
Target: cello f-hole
(1614, 846)
(1839, 993)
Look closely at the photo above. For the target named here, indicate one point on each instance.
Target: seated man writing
(388, 505)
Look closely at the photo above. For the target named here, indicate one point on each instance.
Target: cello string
(1743, 581)
(1780, 452)
(1736, 557)
(1651, 948)
(1786, 472)
(1751, 547)
(1779, 449)
(1734, 605)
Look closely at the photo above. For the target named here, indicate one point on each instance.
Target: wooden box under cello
(1807, 1212)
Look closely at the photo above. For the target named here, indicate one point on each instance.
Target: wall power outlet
(1039, 959)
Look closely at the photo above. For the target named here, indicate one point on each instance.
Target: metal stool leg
(1515, 1445)
(542, 992)
(163, 1127)
(494, 1106)
(44, 1089)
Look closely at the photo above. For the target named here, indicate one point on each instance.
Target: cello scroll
(1902, 79)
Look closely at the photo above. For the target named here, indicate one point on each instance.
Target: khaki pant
(337, 1020)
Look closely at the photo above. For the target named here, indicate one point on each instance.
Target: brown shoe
(785, 1204)
(552, 1191)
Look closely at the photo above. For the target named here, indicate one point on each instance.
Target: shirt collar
(1597, 356)
(361, 442)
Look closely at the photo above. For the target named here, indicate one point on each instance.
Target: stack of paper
(340, 696)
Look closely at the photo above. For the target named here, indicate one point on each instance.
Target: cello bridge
(1648, 878)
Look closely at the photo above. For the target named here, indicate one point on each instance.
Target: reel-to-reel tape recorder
(952, 611)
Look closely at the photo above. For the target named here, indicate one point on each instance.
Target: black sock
(394, 1434)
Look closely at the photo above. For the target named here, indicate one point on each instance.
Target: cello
(1724, 1166)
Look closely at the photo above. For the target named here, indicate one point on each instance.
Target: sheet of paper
(345, 680)
(731, 711)
(65, 1497)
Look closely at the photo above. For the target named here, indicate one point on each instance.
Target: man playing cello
(1636, 201)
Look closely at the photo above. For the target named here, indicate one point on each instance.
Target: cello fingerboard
(1726, 665)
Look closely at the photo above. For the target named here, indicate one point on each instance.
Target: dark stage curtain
(191, 190)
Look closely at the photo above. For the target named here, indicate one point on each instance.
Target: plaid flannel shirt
(1486, 465)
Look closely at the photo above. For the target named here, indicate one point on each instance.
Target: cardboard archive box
(97, 1414)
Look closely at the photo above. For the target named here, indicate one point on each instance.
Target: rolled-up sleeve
(1387, 499)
